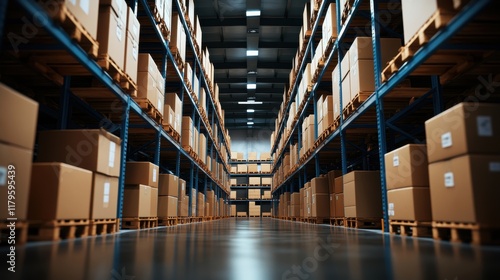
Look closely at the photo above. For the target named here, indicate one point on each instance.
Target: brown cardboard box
(240, 156)
(362, 77)
(86, 12)
(233, 195)
(169, 116)
(320, 205)
(182, 189)
(295, 198)
(320, 185)
(18, 118)
(254, 180)
(187, 138)
(266, 181)
(104, 199)
(472, 128)
(362, 49)
(463, 189)
(168, 185)
(173, 100)
(234, 169)
(141, 173)
(137, 201)
(242, 168)
(20, 159)
(167, 206)
(339, 185)
(132, 45)
(407, 167)
(332, 205)
(253, 167)
(95, 150)
(265, 156)
(362, 198)
(233, 210)
(339, 205)
(234, 182)
(410, 204)
(252, 155)
(178, 37)
(331, 179)
(347, 92)
(146, 87)
(265, 168)
(154, 202)
(234, 156)
(329, 27)
(111, 34)
(59, 192)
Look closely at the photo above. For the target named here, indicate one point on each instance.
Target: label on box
(446, 140)
(484, 126)
(105, 198)
(112, 151)
(85, 6)
(3, 176)
(449, 180)
(494, 167)
(154, 175)
(395, 161)
(119, 31)
(135, 29)
(135, 50)
(390, 212)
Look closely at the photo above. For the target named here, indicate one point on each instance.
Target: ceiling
(229, 33)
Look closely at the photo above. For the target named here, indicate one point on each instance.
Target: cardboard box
(234, 182)
(339, 205)
(462, 189)
(362, 49)
(154, 202)
(265, 168)
(253, 167)
(332, 205)
(234, 169)
(242, 168)
(168, 184)
(142, 173)
(169, 116)
(320, 185)
(111, 34)
(234, 156)
(187, 138)
(178, 37)
(329, 27)
(59, 192)
(320, 205)
(362, 77)
(104, 199)
(467, 128)
(132, 45)
(137, 201)
(18, 118)
(410, 204)
(265, 156)
(167, 206)
(407, 167)
(331, 179)
(182, 189)
(173, 100)
(266, 181)
(347, 92)
(20, 159)
(86, 12)
(339, 185)
(252, 155)
(147, 88)
(362, 194)
(95, 150)
(239, 156)
(233, 195)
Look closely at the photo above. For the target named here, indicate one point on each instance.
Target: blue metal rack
(375, 100)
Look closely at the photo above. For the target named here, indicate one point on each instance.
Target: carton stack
(168, 195)
(111, 31)
(327, 118)
(254, 181)
(253, 168)
(464, 164)
(266, 195)
(178, 40)
(150, 82)
(407, 180)
(329, 27)
(132, 46)
(102, 158)
(18, 120)
(242, 168)
(187, 135)
(320, 205)
(254, 194)
(332, 188)
(233, 210)
(266, 181)
(233, 195)
(252, 155)
(200, 205)
(194, 202)
(362, 198)
(265, 156)
(211, 203)
(183, 200)
(253, 209)
(339, 197)
(295, 205)
(265, 168)
(141, 192)
(172, 111)
(307, 200)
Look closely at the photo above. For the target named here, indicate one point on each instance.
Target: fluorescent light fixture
(250, 123)
(252, 52)
(249, 102)
(253, 13)
(251, 110)
(251, 86)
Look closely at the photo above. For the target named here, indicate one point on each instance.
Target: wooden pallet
(337, 221)
(466, 232)
(103, 226)
(150, 109)
(57, 229)
(139, 223)
(20, 229)
(318, 221)
(177, 57)
(410, 228)
(167, 221)
(195, 219)
(353, 105)
(368, 223)
(171, 131)
(183, 220)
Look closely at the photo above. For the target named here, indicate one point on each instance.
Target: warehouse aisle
(253, 249)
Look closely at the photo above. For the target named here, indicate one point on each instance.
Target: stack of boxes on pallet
(170, 196)
(140, 198)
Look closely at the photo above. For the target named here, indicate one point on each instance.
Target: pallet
(103, 226)
(167, 221)
(139, 223)
(410, 228)
(171, 131)
(195, 219)
(183, 220)
(466, 232)
(368, 223)
(353, 105)
(21, 230)
(177, 57)
(57, 229)
(318, 220)
(340, 222)
(254, 216)
(150, 109)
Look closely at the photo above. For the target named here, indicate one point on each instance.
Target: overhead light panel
(250, 123)
(252, 72)
(251, 110)
(251, 86)
(252, 52)
(250, 102)
(253, 13)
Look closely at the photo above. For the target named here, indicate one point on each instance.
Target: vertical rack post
(123, 157)
(158, 148)
(437, 96)
(64, 104)
(343, 149)
(191, 179)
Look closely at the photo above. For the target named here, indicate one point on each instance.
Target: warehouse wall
(250, 141)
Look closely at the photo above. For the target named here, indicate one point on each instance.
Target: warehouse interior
(249, 139)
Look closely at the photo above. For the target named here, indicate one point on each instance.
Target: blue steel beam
(437, 97)
(123, 157)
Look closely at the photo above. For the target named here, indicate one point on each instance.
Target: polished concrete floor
(252, 249)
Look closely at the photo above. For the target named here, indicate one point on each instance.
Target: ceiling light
(253, 13)
(250, 123)
(249, 102)
(251, 110)
(251, 86)
(252, 52)
(253, 30)
(252, 72)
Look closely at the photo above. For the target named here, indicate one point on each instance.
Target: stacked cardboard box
(252, 155)
(233, 210)
(307, 200)
(464, 163)
(362, 197)
(407, 180)
(102, 157)
(150, 82)
(339, 197)
(253, 168)
(242, 168)
(169, 191)
(200, 205)
(266, 181)
(183, 200)
(266, 195)
(141, 181)
(194, 200)
(18, 120)
(233, 195)
(187, 135)
(332, 187)
(416, 14)
(265, 168)
(254, 181)
(254, 194)
(302, 196)
(174, 117)
(329, 27)
(295, 205)
(253, 209)
(178, 38)
(265, 156)
(132, 45)
(320, 205)
(111, 31)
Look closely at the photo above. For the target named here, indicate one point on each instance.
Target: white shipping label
(154, 175)
(135, 29)
(3, 176)
(112, 151)
(446, 140)
(170, 119)
(495, 166)
(160, 105)
(484, 126)
(395, 161)
(135, 51)
(119, 31)
(105, 198)
(449, 180)
(85, 6)
(390, 212)
(391, 206)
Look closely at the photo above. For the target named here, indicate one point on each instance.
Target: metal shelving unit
(198, 176)
(374, 105)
